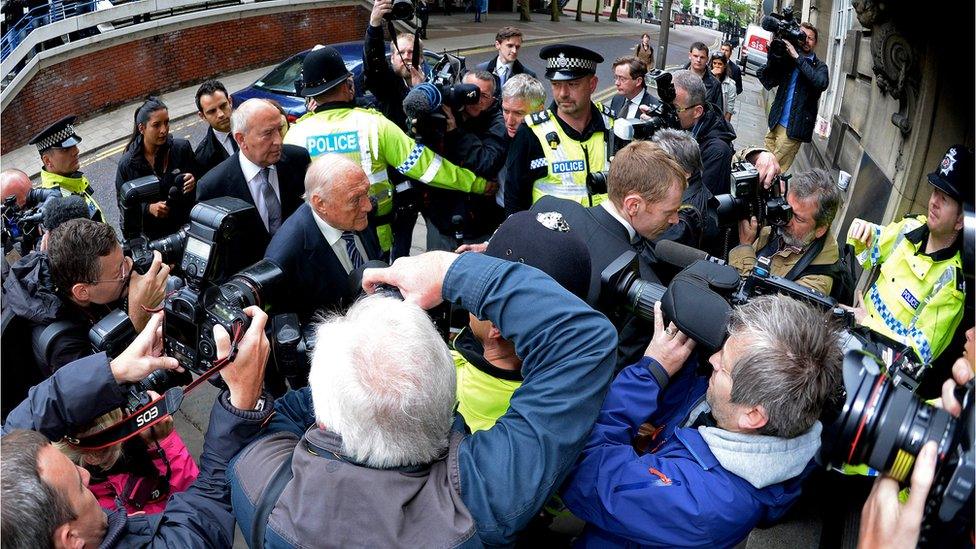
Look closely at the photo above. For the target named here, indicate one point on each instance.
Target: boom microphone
(681, 256)
(421, 100)
(60, 209)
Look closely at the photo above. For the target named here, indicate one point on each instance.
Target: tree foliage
(685, 6)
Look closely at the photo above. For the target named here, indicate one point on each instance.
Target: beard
(790, 240)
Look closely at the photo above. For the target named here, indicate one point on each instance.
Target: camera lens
(884, 425)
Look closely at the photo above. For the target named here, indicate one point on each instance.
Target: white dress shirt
(334, 237)
(633, 104)
(508, 67)
(225, 138)
(251, 170)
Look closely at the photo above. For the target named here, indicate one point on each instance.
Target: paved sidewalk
(104, 134)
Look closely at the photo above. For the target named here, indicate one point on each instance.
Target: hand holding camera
(245, 374)
(669, 347)
(189, 183)
(381, 9)
(146, 291)
(159, 210)
(144, 355)
(420, 279)
(748, 231)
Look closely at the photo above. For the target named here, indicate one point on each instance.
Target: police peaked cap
(322, 70)
(568, 62)
(954, 176)
(61, 134)
(547, 242)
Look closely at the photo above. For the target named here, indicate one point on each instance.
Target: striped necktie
(355, 257)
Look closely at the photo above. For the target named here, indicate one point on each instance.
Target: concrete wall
(106, 75)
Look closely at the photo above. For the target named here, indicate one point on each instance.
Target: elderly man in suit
(508, 42)
(326, 238)
(264, 172)
(629, 74)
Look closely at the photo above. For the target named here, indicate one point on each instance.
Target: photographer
(46, 498)
(61, 294)
(713, 133)
(14, 182)
(644, 187)
(58, 146)
(475, 139)
(727, 453)
(804, 243)
(384, 465)
(800, 77)
(152, 150)
(368, 139)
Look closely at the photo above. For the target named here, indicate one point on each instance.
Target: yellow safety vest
(73, 185)
(567, 160)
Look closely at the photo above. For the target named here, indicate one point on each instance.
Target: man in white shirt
(628, 77)
(264, 172)
(508, 42)
(326, 239)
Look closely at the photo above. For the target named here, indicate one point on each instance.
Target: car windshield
(282, 78)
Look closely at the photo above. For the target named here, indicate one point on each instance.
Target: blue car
(279, 83)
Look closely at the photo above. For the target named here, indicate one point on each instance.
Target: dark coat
(209, 153)
(735, 73)
(812, 80)
(517, 68)
(175, 156)
(618, 102)
(715, 136)
(30, 295)
(313, 274)
(713, 88)
(198, 517)
(379, 79)
(606, 238)
(480, 145)
(227, 179)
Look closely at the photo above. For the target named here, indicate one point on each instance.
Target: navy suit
(606, 239)
(618, 102)
(227, 179)
(313, 274)
(209, 153)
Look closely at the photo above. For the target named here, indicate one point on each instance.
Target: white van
(754, 47)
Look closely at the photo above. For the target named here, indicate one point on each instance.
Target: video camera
(884, 425)
(785, 27)
(750, 198)
(20, 223)
(422, 105)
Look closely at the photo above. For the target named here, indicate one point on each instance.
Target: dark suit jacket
(735, 73)
(314, 276)
(606, 238)
(227, 179)
(209, 152)
(619, 101)
(517, 68)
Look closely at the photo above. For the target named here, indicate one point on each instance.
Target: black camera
(422, 105)
(402, 11)
(141, 250)
(661, 116)
(750, 198)
(135, 193)
(785, 27)
(884, 425)
(20, 223)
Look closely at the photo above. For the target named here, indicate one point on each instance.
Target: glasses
(622, 78)
(125, 268)
(683, 109)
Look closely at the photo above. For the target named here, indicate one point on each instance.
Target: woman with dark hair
(645, 52)
(718, 64)
(153, 151)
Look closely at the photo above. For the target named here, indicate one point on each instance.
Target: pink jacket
(182, 472)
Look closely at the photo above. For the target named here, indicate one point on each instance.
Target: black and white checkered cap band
(561, 62)
(57, 138)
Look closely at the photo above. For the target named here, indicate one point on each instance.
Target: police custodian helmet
(568, 62)
(322, 70)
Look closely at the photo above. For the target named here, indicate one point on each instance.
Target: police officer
(919, 295)
(58, 147)
(554, 150)
(368, 138)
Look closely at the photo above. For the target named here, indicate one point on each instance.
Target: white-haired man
(378, 463)
(326, 239)
(263, 172)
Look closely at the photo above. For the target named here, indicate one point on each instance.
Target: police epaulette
(606, 110)
(960, 280)
(538, 118)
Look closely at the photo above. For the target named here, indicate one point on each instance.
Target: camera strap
(156, 411)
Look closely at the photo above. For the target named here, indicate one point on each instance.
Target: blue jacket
(678, 495)
(509, 471)
(199, 517)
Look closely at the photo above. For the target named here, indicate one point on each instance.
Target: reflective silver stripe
(431, 171)
(573, 191)
(947, 277)
(405, 186)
